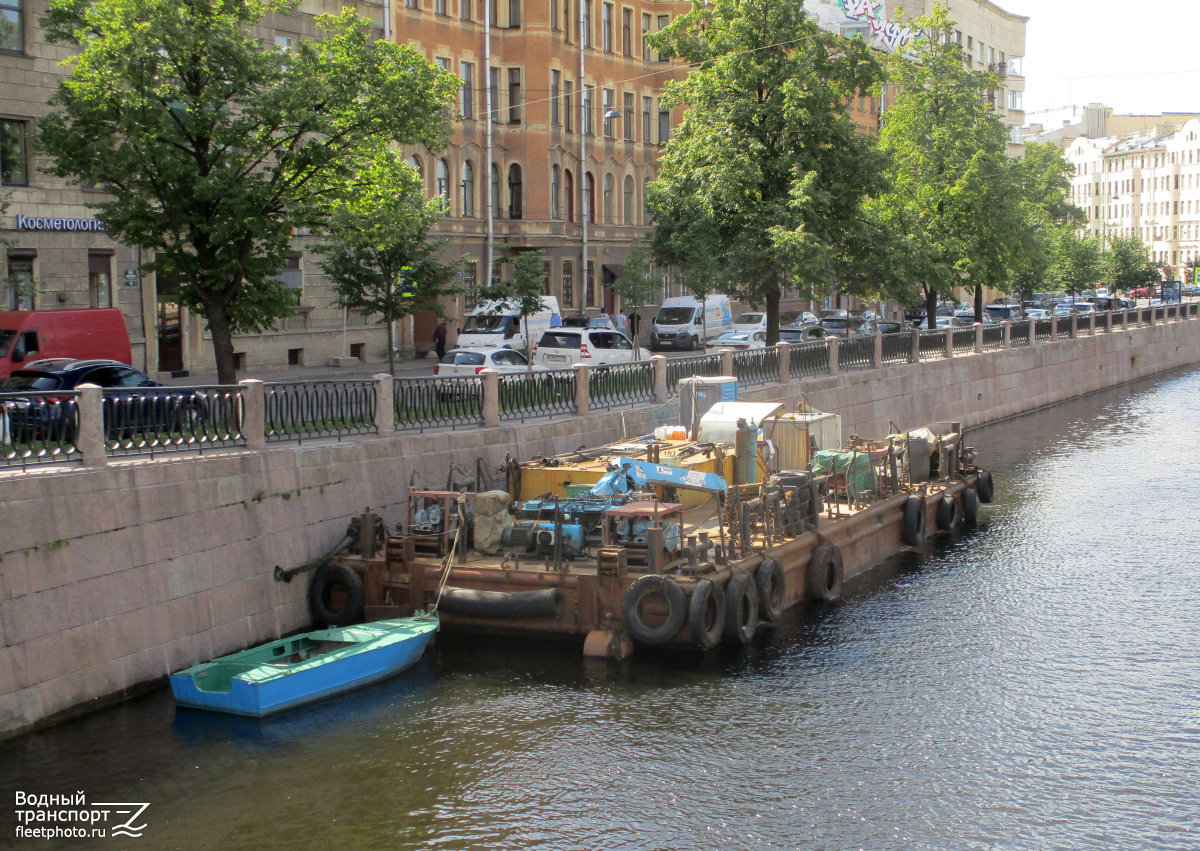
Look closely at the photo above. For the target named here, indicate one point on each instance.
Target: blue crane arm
(645, 474)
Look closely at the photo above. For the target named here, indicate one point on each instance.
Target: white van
(497, 324)
(686, 322)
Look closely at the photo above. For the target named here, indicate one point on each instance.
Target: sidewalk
(404, 369)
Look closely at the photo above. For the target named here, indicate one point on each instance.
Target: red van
(29, 335)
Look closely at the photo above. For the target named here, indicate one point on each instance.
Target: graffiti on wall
(889, 35)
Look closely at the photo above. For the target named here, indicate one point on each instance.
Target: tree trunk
(930, 307)
(978, 302)
(391, 337)
(772, 301)
(222, 339)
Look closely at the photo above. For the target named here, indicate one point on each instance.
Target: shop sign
(42, 223)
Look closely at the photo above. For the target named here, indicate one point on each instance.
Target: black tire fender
(706, 614)
(970, 507)
(677, 606)
(826, 572)
(947, 513)
(320, 603)
(741, 609)
(772, 589)
(985, 487)
(913, 529)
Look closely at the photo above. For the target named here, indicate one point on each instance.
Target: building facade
(1146, 185)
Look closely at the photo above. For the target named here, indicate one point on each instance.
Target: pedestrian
(439, 339)
(635, 325)
(622, 326)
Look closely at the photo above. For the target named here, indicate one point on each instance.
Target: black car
(809, 333)
(134, 403)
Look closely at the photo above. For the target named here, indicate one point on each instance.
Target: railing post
(1074, 329)
(784, 349)
(660, 378)
(834, 343)
(1007, 334)
(877, 353)
(1032, 331)
(491, 397)
(583, 401)
(254, 413)
(385, 406)
(1053, 327)
(949, 345)
(1150, 313)
(978, 338)
(1125, 320)
(914, 351)
(726, 361)
(90, 437)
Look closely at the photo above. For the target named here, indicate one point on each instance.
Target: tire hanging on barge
(913, 529)
(331, 583)
(985, 487)
(741, 609)
(706, 614)
(947, 513)
(825, 574)
(677, 609)
(772, 589)
(970, 507)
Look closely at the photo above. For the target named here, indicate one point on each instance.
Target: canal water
(1032, 684)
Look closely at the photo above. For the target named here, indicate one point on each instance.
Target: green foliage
(1076, 261)
(214, 150)
(1045, 177)
(1126, 264)
(954, 197)
(378, 231)
(635, 285)
(761, 188)
(523, 290)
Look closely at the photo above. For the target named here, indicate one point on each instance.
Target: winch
(530, 536)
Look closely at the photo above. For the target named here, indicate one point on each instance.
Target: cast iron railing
(756, 366)
(620, 384)
(993, 337)
(1019, 334)
(809, 359)
(1042, 329)
(146, 421)
(303, 410)
(445, 402)
(539, 394)
(897, 348)
(856, 353)
(38, 428)
(964, 341)
(691, 367)
(933, 345)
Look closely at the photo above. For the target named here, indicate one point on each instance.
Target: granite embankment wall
(115, 576)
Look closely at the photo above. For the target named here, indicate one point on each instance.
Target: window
(545, 278)
(1016, 99)
(443, 183)
(470, 285)
(20, 275)
(496, 210)
(589, 195)
(587, 110)
(410, 4)
(608, 199)
(627, 208)
(629, 116)
(555, 191)
(99, 280)
(606, 27)
(467, 72)
(14, 154)
(468, 190)
(568, 284)
(646, 137)
(645, 32)
(514, 191)
(587, 23)
(1016, 65)
(567, 113)
(664, 124)
(493, 12)
(12, 26)
(570, 194)
(514, 95)
(568, 21)
(439, 7)
(416, 164)
(555, 84)
(608, 122)
(589, 289)
(283, 42)
(295, 357)
(514, 13)
(464, 9)
(494, 88)
(554, 14)
(627, 32)
(663, 20)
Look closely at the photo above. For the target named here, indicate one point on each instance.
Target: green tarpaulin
(855, 466)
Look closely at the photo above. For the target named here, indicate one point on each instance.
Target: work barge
(684, 538)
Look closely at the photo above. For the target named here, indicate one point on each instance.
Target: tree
(1045, 177)
(1126, 265)
(1075, 262)
(522, 292)
(635, 285)
(762, 185)
(954, 197)
(213, 150)
(379, 257)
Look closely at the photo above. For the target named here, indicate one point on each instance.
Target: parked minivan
(685, 322)
(88, 334)
(498, 324)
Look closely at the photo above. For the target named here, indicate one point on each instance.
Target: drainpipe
(490, 241)
(387, 20)
(584, 106)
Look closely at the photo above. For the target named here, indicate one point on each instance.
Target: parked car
(1037, 313)
(499, 324)
(843, 326)
(140, 404)
(750, 322)
(888, 326)
(31, 335)
(684, 321)
(1084, 308)
(797, 317)
(1142, 292)
(475, 361)
(739, 340)
(866, 315)
(1191, 290)
(832, 314)
(952, 322)
(559, 348)
(807, 333)
(1061, 310)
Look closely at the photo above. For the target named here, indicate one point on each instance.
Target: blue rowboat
(304, 668)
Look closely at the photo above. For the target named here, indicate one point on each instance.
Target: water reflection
(1030, 684)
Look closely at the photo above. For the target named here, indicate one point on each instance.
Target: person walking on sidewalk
(635, 325)
(439, 339)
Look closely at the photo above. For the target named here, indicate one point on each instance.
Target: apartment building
(1146, 185)
(1062, 126)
